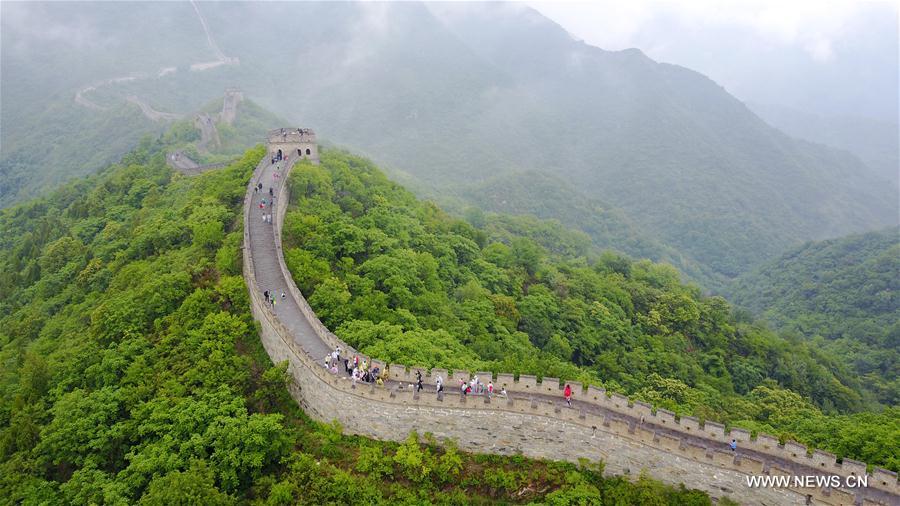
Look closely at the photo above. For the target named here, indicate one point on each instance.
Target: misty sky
(826, 57)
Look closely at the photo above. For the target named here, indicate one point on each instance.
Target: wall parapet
(599, 410)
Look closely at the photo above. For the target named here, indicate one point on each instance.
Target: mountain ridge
(683, 159)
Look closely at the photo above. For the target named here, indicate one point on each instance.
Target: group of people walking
(270, 297)
(358, 370)
(266, 205)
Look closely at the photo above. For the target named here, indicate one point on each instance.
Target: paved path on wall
(270, 277)
(268, 272)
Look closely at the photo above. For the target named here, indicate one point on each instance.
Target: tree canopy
(133, 372)
(403, 281)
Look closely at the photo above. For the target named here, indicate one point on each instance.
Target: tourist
(490, 389)
(464, 387)
(266, 295)
(567, 393)
(733, 445)
(503, 392)
(440, 383)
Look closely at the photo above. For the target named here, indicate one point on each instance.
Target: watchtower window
(308, 152)
(299, 152)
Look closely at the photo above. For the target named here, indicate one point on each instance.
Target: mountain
(875, 142)
(450, 96)
(133, 372)
(548, 197)
(844, 295)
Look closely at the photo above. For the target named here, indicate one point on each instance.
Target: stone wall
(629, 437)
(299, 143)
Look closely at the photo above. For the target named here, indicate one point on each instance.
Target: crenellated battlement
(296, 143)
(534, 421)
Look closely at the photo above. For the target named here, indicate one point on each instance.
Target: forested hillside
(877, 143)
(548, 197)
(132, 372)
(402, 281)
(843, 295)
(451, 96)
(248, 129)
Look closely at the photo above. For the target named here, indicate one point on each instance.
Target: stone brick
(619, 401)
(850, 467)
(397, 372)
(723, 458)
(577, 389)
(550, 386)
(740, 435)
(795, 450)
(689, 424)
(765, 443)
(665, 417)
(824, 460)
(596, 395)
(838, 497)
(751, 465)
(642, 409)
(504, 380)
(527, 383)
(457, 376)
(669, 442)
(884, 480)
(435, 373)
(714, 430)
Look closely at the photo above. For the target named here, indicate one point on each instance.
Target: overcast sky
(822, 56)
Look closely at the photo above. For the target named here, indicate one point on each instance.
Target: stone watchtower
(297, 143)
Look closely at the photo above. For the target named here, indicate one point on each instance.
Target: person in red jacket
(567, 393)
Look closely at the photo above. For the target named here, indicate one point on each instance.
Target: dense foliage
(406, 283)
(844, 294)
(132, 372)
(537, 194)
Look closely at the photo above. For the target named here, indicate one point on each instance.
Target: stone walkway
(267, 270)
(269, 277)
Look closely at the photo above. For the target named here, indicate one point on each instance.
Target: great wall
(627, 436)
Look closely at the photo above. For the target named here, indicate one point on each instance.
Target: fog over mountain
(446, 96)
(837, 58)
